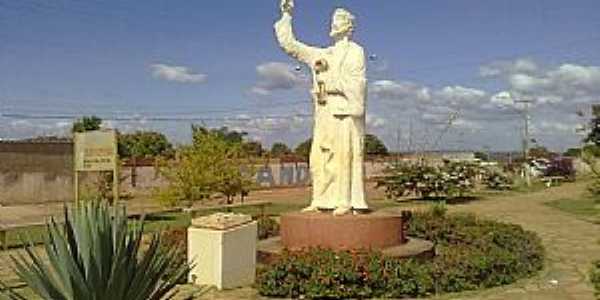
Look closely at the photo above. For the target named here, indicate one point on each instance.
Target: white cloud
(375, 121)
(267, 124)
(526, 83)
(275, 76)
(502, 99)
(566, 84)
(467, 124)
(176, 74)
(459, 96)
(501, 68)
(19, 129)
(556, 127)
(398, 91)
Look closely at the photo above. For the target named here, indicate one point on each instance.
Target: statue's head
(342, 24)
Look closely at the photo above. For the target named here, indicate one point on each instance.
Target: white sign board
(95, 151)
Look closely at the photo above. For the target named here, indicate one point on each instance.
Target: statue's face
(340, 26)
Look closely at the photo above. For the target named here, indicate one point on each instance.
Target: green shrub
(267, 227)
(96, 255)
(450, 180)
(496, 180)
(595, 277)
(472, 254)
(439, 209)
(176, 239)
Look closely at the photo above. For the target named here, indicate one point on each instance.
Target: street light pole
(526, 137)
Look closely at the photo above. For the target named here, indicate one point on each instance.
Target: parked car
(538, 167)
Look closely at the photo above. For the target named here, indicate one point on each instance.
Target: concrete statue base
(364, 231)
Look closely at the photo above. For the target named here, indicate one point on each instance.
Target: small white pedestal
(223, 248)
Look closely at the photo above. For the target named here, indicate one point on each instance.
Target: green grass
(586, 207)
(174, 220)
(152, 223)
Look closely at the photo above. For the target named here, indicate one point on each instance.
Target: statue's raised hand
(287, 6)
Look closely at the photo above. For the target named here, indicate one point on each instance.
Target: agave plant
(96, 255)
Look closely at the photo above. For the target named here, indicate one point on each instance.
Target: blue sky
(135, 61)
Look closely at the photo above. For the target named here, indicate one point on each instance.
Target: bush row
(472, 254)
(595, 277)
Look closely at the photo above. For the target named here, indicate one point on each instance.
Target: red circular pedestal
(369, 231)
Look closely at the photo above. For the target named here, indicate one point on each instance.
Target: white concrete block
(223, 258)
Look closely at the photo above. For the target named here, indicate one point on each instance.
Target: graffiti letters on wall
(284, 174)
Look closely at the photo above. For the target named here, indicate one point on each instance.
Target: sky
(442, 74)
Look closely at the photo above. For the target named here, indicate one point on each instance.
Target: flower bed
(472, 254)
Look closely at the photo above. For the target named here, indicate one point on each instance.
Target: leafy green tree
(540, 152)
(592, 150)
(144, 144)
(481, 156)
(253, 149)
(572, 152)
(303, 149)
(96, 255)
(280, 149)
(212, 164)
(374, 146)
(87, 123)
(594, 135)
(229, 136)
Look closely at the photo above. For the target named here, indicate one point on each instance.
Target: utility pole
(410, 135)
(526, 137)
(398, 150)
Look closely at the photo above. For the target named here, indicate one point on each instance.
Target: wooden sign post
(96, 151)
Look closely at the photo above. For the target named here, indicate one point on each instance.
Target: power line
(140, 114)
(152, 119)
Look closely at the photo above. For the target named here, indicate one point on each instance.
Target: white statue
(339, 94)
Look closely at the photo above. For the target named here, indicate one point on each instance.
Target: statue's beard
(339, 32)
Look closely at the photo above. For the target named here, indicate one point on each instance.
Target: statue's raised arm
(287, 40)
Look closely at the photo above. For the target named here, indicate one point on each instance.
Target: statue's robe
(337, 153)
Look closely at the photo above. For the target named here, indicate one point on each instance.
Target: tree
(572, 152)
(592, 150)
(144, 144)
(482, 156)
(594, 135)
(540, 152)
(212, 164)
(280, 149)
(253, 149)
(374, 146)
(229, 136)
(303, 149)
(86, 123)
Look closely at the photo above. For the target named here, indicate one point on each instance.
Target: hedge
(595, 278)
(471, 254)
